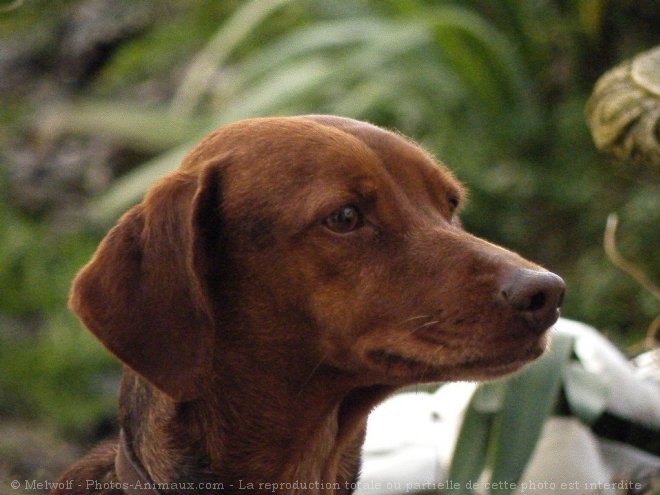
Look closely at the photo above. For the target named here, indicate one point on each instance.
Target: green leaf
(483, 57)
(145, 129)
(320, 37)
(128, 189)
(201, 71)
(469, 456)
(529, 401)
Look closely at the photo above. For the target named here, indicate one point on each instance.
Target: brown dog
(291, 274)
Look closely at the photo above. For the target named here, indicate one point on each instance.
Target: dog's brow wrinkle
(261, 233)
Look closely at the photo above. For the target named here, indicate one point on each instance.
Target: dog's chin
(408, 367)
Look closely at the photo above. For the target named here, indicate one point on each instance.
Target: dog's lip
(529, 353)
(516, 330)
(506, 360)
(513, 339)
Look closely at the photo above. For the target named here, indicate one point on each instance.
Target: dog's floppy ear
(142, 294)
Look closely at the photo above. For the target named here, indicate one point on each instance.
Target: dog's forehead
(281, 154)
(405, 160)
(415, 172)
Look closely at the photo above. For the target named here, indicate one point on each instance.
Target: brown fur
(256, 340)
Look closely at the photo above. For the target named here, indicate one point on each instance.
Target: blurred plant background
(98, 98)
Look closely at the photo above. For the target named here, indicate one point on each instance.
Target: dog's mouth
(404, 366)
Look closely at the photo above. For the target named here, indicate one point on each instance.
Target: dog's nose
(536, 295)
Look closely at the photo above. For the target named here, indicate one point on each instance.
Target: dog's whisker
(311, 374)
(417, 318)
(423, 325)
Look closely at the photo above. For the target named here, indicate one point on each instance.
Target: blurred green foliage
(495, 89)
(49, 369)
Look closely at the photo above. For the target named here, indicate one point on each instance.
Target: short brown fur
(256, 339)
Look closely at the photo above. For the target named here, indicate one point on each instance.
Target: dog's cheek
(261, 233)
(334, 301)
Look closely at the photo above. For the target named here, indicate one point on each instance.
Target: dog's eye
(453, 202)
(343, 220)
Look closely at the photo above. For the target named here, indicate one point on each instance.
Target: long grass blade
(529, 401)
(150, 130)
(470, 453)
(201, 71)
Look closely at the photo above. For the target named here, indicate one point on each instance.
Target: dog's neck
(261, 432)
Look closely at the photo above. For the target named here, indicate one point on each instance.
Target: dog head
(321, 240)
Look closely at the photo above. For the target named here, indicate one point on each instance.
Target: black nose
(536, 295)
